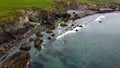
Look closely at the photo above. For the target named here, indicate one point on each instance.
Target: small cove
(94, 46)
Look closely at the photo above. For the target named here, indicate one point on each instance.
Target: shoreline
(85, 14)
(66, 32)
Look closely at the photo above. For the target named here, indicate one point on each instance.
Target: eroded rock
(17, 60)
(37, 43)
(25, 47)
(39, 34)
(63, 25)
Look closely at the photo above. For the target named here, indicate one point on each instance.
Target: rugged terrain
(15, 28)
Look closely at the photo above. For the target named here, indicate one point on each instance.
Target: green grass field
(6, 5)
(10, 4)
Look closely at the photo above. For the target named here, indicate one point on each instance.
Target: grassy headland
(9, 5)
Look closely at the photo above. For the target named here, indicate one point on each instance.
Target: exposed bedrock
(17, 60)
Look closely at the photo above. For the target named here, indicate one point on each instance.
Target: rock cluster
(37, 43)
(17, 60)
(25, 47)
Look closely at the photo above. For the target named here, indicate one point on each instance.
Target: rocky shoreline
(11, 34)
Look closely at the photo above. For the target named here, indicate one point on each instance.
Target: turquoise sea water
(95, 46)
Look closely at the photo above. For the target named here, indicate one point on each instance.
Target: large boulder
(17, 60)
(25, 47)
(37, 43)
(39, 34)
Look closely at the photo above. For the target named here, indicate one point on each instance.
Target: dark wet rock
(17, 60)
(37, 43)
(80, 26)
(76, 30)
(66, 15)
(49, 31)
(72, 25)
(31, 39)
(63, 25)
(4, 38)
(76, 16)
(22, 31)
(74, 13)
(35, 65)
(49, 38)
(25, 47)
(52, 27)
(53, 35)
(6, 46)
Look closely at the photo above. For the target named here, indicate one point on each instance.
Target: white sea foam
(42, 47)
(69, 32)
(99, 18)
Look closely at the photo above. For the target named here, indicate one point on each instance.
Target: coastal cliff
(18, 27)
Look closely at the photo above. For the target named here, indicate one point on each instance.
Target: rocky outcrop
(75, 5)
(63, 25)
(13, 31)
(17, 28)
(49, 31)
(39, 34)
(25, 47)
(17, 60)
(37, 43)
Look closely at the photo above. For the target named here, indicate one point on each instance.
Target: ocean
(97, 45)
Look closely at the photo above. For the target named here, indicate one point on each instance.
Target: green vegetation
(6, 14)
(6, 6)
(9, 5)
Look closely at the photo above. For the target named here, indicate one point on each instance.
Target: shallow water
(97, 45)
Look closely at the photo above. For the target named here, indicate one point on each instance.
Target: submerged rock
(17, 60)
(35, 65)
(25, 47)
(100, 21)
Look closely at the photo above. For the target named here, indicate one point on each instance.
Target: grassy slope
(6, 5)
(10, 4)
(14, 4)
